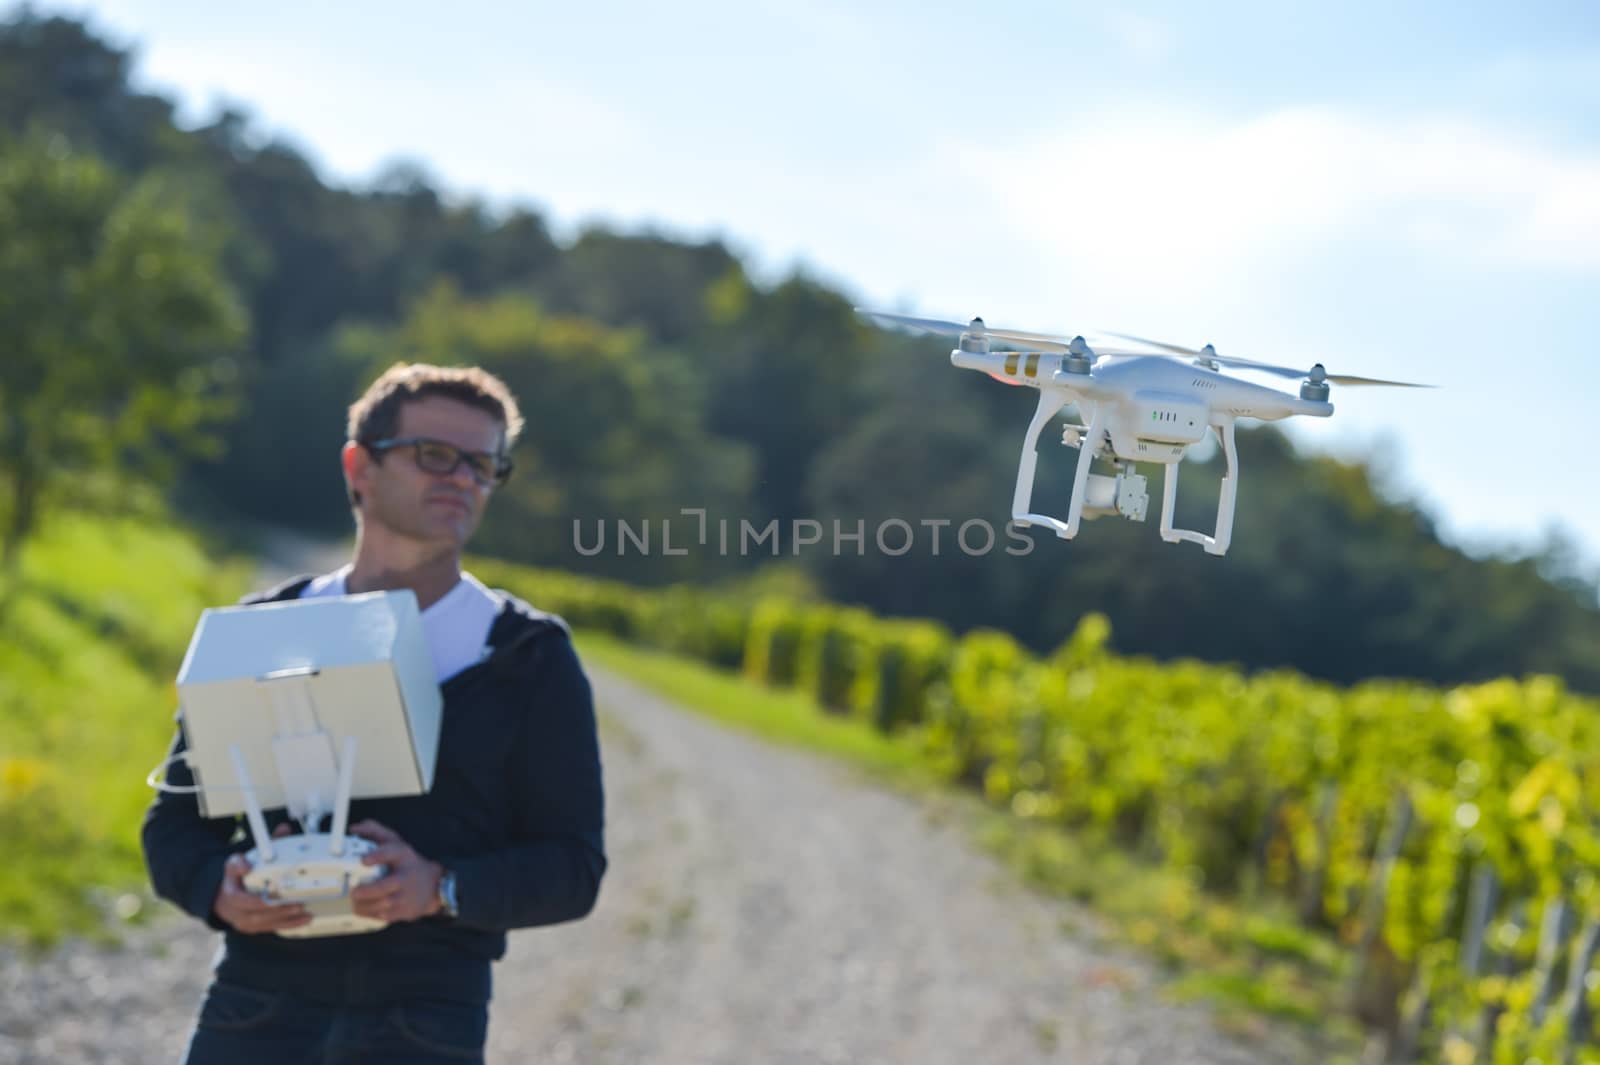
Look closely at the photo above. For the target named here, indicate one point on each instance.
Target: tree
(787, 368)
(58, 75)
(116, 328)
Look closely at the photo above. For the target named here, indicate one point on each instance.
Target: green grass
(1251, 961)
(89, 648)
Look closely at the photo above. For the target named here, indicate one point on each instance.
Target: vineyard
(1445, 838)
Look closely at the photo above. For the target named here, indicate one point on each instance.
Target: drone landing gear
(1023, 496)
(1218, 543)
(1093, 494)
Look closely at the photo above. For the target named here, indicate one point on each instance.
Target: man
(509, 836)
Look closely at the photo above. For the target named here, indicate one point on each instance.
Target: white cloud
(1136, 192)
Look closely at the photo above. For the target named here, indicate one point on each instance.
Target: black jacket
(516, 810)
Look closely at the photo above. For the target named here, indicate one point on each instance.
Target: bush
(901, 665)
(835, 645)
(773, 644)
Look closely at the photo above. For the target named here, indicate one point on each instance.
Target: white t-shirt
(456, 627)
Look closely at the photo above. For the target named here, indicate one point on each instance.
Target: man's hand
(248, 912)
(409, 891)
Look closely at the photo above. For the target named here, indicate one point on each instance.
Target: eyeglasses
(438, 457)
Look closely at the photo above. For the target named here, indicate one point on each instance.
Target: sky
(1399, 190)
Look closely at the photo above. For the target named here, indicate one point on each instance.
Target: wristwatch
(447, 894)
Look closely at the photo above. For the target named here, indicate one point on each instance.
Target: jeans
(240, 1025)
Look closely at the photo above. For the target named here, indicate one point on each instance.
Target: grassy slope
(88, 653)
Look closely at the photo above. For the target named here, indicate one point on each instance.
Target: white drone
(1141, 406)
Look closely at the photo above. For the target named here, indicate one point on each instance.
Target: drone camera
(1127, 494)
(1133, 496)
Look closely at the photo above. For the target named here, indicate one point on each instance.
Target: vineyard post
(1260, 853)
(1576, 1002)
(1376, 902)
(1311, 903)
(1553, 932)
(1481, 900)
(1414, 1019)
(1489, 1017)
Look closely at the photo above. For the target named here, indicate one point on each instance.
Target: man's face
(413, 503)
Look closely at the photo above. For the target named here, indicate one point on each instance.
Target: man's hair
(376, 415)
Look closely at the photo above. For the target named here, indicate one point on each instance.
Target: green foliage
(650, 283)
(986, 672)
(901, 665)
(772, 650)
(284, 450)
(87, 657)
(836, 645)
(117, 327)
(786, 373)
(703, 626)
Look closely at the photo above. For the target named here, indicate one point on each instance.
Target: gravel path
(763, 906)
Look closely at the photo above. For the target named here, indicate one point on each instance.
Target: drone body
(1139, 405)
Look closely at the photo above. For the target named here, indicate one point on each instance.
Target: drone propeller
(919, 325)
(976, 327)
(1316, 374)
(1050, 342)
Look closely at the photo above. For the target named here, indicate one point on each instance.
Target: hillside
(88, 651)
